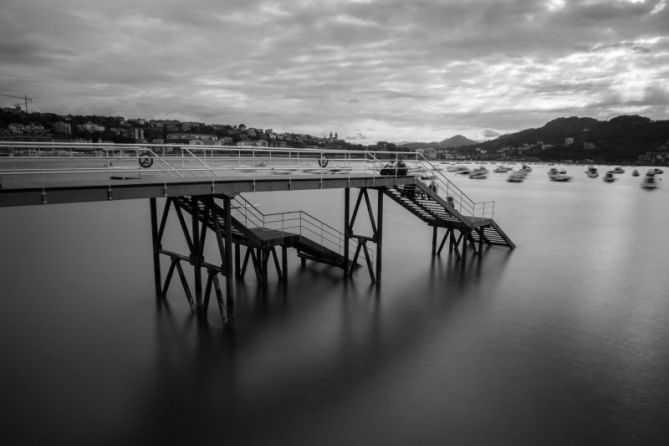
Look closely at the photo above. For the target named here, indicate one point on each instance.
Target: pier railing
(49, 162)
(295, 222)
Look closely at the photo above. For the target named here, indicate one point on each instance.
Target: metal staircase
(441, 210)
(312, 238)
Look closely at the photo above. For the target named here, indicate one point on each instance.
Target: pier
(205, 189)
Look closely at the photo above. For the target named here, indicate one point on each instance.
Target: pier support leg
(156, 248)
(376, 237)
(379, 232)
(237, 259)
(347, 231)
(228, 250)
(434, 240)
(284, 262)
(196, 253)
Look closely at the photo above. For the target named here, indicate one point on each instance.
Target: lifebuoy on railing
(323, 161)
(145, 159)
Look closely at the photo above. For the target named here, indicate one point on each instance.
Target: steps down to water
(435, 210)
(252, 233)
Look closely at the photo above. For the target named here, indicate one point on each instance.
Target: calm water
(563, 341)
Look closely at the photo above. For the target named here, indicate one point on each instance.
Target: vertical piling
(379, 232)
(347, 228)
(227, 217)
(156, 248)
(196, 253)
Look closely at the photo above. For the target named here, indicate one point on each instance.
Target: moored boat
(516, 176)
(502, 169)
(609, 177)
(591, 172)
(649, 181)
(635, 173)
(479, 174)
(618, 170)
(558, 175)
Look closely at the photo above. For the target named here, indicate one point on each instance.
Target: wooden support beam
(196, 258)
(184, 282)
(227, 218)
(242, 271)
(163, 220)
(355, 209)
(368, 260)
(369, 211)
(168, 278)
(284, 262)
(347, 231)
(276, 263)
(264, 256)
(443, 241)
(184, 228)
(207, 290)
(379, 233)
(224, 310)
(237, 259)
(156, 248)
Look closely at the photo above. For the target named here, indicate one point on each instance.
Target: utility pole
(25, 98)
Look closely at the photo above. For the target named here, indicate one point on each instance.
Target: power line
(25, 98)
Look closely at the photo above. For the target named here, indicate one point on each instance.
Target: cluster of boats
(555, 174)
(648, 182)
(481, 172)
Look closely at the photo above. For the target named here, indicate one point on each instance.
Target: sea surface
(562, 341)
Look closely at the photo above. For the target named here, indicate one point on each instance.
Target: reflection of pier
(202, 188)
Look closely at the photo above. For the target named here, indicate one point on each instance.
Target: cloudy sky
(371, 70)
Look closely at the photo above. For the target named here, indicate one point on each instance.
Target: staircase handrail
(299, 222)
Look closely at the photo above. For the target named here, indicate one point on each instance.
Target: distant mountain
(453, 141)
(457, 141)
(622, 138)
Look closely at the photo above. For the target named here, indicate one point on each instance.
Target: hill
(621, 139)
(448, 143)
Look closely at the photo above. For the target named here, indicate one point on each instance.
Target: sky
(370, 70)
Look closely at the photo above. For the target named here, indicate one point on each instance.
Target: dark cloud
(407, 70)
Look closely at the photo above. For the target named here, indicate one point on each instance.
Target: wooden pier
(204, 192)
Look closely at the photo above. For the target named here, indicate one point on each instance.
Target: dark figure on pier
(393, 169)
(410, 191)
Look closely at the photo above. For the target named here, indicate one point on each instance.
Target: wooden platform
(23, 194)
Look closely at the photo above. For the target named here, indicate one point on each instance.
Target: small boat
(526, 168)
(657, 170)
(609, 177)
(456, 169)
(558, 175)
(591, 172)
(516, 176)
(618, 170)
(635, 173)
(479, 174)
(502, 169)
(649, 181)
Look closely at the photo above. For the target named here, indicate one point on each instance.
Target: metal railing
(47, 162)
(295, 222)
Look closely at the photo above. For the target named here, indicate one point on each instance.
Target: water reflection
(296, 345)
(562, 341)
